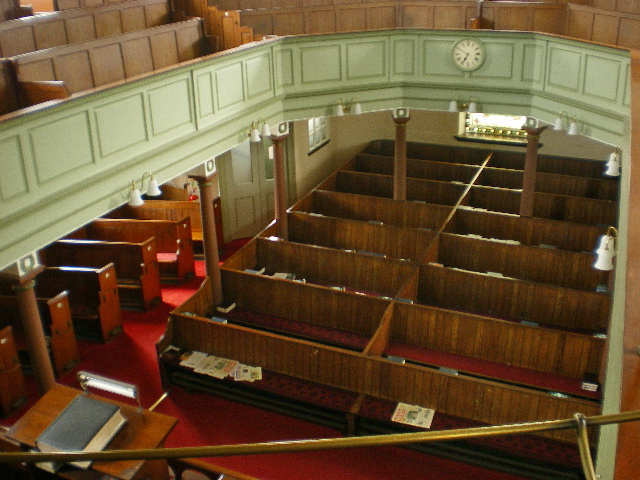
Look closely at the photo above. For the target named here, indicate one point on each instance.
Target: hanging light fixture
(606, 250)
(339, 109)
(256, 135)
(473, 106)
(153, 190)
(559, 123)
(574, 129)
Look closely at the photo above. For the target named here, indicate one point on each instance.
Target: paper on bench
(413, 415)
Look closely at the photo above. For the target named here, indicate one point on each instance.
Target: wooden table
(144, 429)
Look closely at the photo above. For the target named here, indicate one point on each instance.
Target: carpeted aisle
(210, 420)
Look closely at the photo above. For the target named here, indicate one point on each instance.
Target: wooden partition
(10, 9)
(377, 209)
(99, 62)
(528, 231)
(174, 246)
(481, 400)
(93, 298)
(333, 268)
(387, 240)
(56, 319)
(38, 32)
(511, 343)
(136, 264)
(512, 299)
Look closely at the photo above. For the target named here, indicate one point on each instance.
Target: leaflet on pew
(220, 368)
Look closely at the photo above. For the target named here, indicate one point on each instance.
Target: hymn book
(86, 424)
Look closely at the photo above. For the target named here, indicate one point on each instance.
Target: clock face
(468, 54)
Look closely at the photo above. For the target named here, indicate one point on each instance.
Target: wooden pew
(58, 327)
(93, 298)
(13, 391)
(136, 265)
(174, 246)
(38, 32)
(339, 233)
(513, 299)
(476, 399)
(9, 99)
(10, 9)
(95, 63)
(174, 210)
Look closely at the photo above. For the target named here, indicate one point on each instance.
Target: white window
(317, 133)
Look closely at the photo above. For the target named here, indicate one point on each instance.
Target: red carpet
(209, 420)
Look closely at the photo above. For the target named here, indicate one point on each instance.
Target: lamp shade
(559, 124)
(154, 189)
(613, 165)
(357, 109)
(473, 107)
(453, 106)
(338, 110)
(254, 135)
(135, 197)
(573, 128)
(266, 130)
(604, 259)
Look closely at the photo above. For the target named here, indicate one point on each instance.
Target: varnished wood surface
(144, 429)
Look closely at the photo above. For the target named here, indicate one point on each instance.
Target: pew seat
(93, 298)
(57, 323)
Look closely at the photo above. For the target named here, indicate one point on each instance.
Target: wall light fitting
(559, 123)
(256, 135)
(353, 106)
(574, 128)
(458, 105)
(606, 250)
(153, 190)
(613, 164)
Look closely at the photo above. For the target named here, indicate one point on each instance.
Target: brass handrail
(579, 423)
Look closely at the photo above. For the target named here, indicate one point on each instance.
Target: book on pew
(86, 424)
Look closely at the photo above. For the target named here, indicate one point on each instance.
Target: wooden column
(530, 169)
(280, 186)
(209, 237)
(400, 159)
(23, 286)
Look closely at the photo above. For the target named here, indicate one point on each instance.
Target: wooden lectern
(144, 429)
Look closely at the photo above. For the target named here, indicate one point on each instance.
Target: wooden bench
(95, 63)
(93, 298)
(10, 9)
(58, 327)
(13, 391)
(136, 264)
(174, 210)
(38, 32)
(174, 246)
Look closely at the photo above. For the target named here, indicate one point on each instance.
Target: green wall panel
(498, 63)
(13, 180)
(564, 69)
(626, 101)
(170, 106)
(121, 124)
(601, 77)
(53, 154)
(437, 59)
(284, 65)
(404, 57)
(532, 63)
(321, 63)
(258, 75)
(229, 85)
(204, 94)
(367, 60)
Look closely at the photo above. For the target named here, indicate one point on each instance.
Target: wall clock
(468, 54)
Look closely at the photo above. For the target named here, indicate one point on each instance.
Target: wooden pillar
(23, 286)
(400, 158)
(280, 186)
(209, 237)
(530, 169)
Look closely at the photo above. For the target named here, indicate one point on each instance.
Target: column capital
(534, 132)
(23, 271)
(278, 138)
(401, 121)
(203, 180)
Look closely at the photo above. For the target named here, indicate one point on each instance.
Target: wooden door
(246, 188)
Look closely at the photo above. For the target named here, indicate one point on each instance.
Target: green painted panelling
(121, 124)
(564, 68)
(11, 155)
(404, 56)
(437, 59)
(57, 153)
(601, 77)
(258, 76)
(532, 63)
(282, 79)
(499, 62)
(626, 85)
(204, 94)
(229, 85)
(322, 63)
(170, 106)
(284, 65)
(367, 60)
